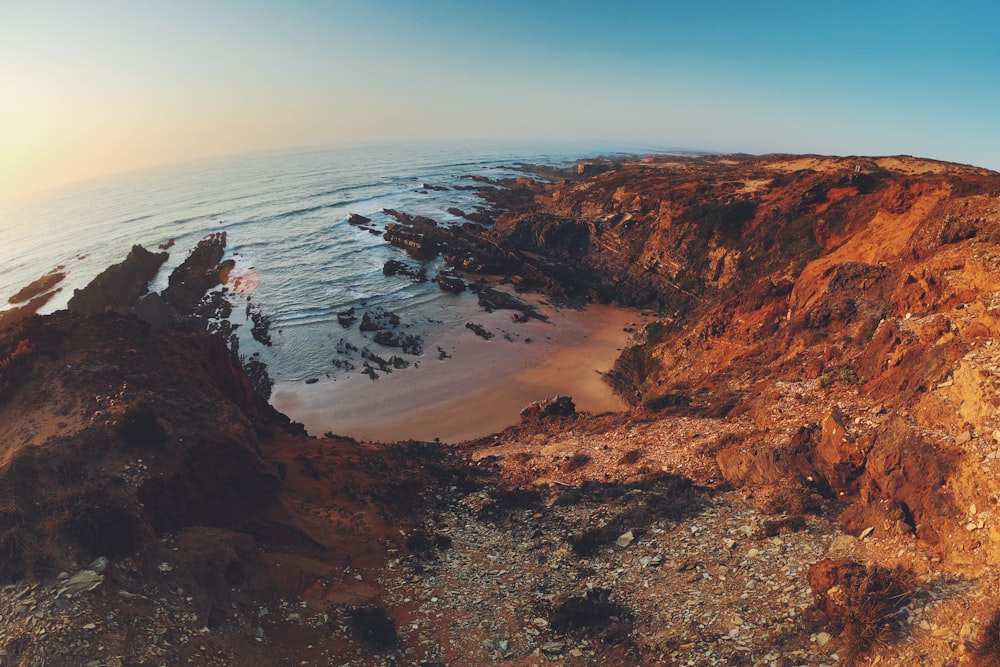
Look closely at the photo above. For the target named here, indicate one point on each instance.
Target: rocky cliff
(872, 280)
(806, 476)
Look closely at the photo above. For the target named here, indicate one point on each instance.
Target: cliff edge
(806, 476)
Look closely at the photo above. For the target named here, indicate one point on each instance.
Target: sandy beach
(481, 388)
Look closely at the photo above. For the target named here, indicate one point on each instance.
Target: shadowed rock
(201, 271)
(120, 285)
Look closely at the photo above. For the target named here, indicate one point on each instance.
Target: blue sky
(100, 87)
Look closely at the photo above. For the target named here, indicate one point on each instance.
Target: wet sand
(481, 388)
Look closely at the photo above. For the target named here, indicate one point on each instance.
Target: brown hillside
(807, 474)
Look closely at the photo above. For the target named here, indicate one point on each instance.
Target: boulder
(450, 283)
(838, 456)
(557, 406)
(395, 267)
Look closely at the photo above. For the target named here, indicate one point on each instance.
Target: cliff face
(676, 232)
(819, 380)
(142, 465)
(89, 399)
(872, 280)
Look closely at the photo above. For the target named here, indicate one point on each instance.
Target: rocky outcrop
(148, 455)
(119, 286)
(491, 299)
(557, 406)
(202, 270)
(38, 287)
(394, 267)
(449, 282)
(201, 444)
(824, 336)
(124, 287)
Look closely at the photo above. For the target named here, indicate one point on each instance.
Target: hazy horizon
(114, 86)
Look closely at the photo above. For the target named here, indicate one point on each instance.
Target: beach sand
(481, 388)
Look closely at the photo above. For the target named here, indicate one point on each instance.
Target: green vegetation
(804, 247)
(690, 283)
(845, 374)
(97, 523)
(655, 332)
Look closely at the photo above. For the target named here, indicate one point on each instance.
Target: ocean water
(285, 215)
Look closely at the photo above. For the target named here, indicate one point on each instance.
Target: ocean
(285, 215)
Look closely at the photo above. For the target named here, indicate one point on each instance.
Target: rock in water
(119, 286)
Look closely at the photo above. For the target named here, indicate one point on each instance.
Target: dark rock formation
(261, 325)
(347, 318)
(201, 271)
(593, 168)
(153, 310)
(419, 241)
(450, 283)
(357, 219)
(479, 216)
(39, 286)
(395, 267)
(119, 286)
(379, 319)
(557, 406)
(410, 220)
(493, 299)
(410, 343)
(479, 330)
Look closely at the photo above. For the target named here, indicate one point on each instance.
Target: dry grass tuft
(862, 602)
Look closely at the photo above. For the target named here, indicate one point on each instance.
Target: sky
(105, 86)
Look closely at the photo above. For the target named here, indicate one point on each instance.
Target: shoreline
(481, 388)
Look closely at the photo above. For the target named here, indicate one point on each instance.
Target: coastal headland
(797, 465)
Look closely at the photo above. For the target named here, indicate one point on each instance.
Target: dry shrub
(575, 462)
(14, 365)
(630, 457)
(791, 524)
(373, 625)
(98, 525)
(986, 652)
(506, 501)
(860, 601)
(138, 425)
(593, 614)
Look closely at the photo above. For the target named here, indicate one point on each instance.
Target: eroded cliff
(813, 438)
